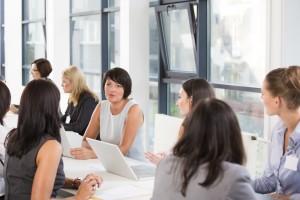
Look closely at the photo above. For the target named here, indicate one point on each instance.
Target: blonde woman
(81, 103)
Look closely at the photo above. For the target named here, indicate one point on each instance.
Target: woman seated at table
(207, 160)
(81, 103)
(40, 69)
(4, 108)
(191, 92)
(33, 167)
(119, 119)
(281, 97)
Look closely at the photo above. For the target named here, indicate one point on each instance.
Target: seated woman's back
(234, 184)
(207, 160)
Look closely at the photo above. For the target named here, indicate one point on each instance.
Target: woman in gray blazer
(207, 162)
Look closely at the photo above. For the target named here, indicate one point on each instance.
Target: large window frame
(25, 25)
(103, 11)
(168, 8)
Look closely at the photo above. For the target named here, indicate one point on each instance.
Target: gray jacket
(235, 183)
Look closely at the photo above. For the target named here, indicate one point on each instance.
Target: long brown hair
(211, 135)
(38, 116)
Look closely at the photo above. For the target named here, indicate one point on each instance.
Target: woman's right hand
(82, 153)
(154, 158)
(88, 187)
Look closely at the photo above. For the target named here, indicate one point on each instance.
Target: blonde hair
(75, 75)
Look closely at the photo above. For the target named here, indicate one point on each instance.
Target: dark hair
(198, 89)
(43, 66)
(38, 116)
(5, 100)
(211, 135)
(285, 82)
(120, 76)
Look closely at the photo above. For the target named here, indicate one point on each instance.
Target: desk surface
(113, 186)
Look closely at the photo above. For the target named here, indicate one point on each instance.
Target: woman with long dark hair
(33, 163)
(207, 161)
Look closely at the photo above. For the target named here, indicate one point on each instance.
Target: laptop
(114, 162)
(69, 139)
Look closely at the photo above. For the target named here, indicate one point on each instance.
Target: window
(34, 34)
(238, 58)
(92, 49)
(177, 39)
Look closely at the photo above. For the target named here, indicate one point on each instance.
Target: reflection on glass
(178, 41)
(85, 48)
(114, 39)
(154, 45)
(238, 41)
(36, 8)
(173, 95)
(248, 108)
(85, 5)
(153, 109)
(34, 47)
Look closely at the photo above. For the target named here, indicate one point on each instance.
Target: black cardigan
(80, 115)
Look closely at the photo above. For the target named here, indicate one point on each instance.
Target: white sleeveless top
(111, 129)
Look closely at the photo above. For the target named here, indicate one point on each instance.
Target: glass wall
(85, 48)
(34, 35)
(113, 39)
(92, 49)
(238, 56)
(86, 40)
(154, 74)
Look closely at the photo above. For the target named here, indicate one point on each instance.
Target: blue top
(276, 177)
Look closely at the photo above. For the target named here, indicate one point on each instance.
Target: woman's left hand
(82, 153)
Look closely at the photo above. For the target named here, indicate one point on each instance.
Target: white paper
(123, 192)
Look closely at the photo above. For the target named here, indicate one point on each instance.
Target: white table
(113, 187)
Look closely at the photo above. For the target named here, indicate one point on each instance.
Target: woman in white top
(4, 108)
(119, 119)
(191, 92)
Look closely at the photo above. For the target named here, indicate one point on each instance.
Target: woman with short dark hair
(40, 69)
(207, 161)
(119, 119)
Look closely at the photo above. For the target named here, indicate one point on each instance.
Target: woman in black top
(33, 165)
(81, 103)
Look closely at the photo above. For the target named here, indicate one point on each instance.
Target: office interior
(161, 43)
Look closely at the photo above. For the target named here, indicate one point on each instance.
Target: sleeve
(64, 116)
(268, 182)
(241, 187)
(85, 111)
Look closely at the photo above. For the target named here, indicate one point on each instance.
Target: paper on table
(122, 192)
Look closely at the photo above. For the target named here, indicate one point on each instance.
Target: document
(122, 192)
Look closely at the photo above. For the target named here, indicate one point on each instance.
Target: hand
(155, 157)
(88, 187)
(279, 196)
(82, 153)
(14, 109)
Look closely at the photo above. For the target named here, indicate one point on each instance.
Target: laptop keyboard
(144, 170)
